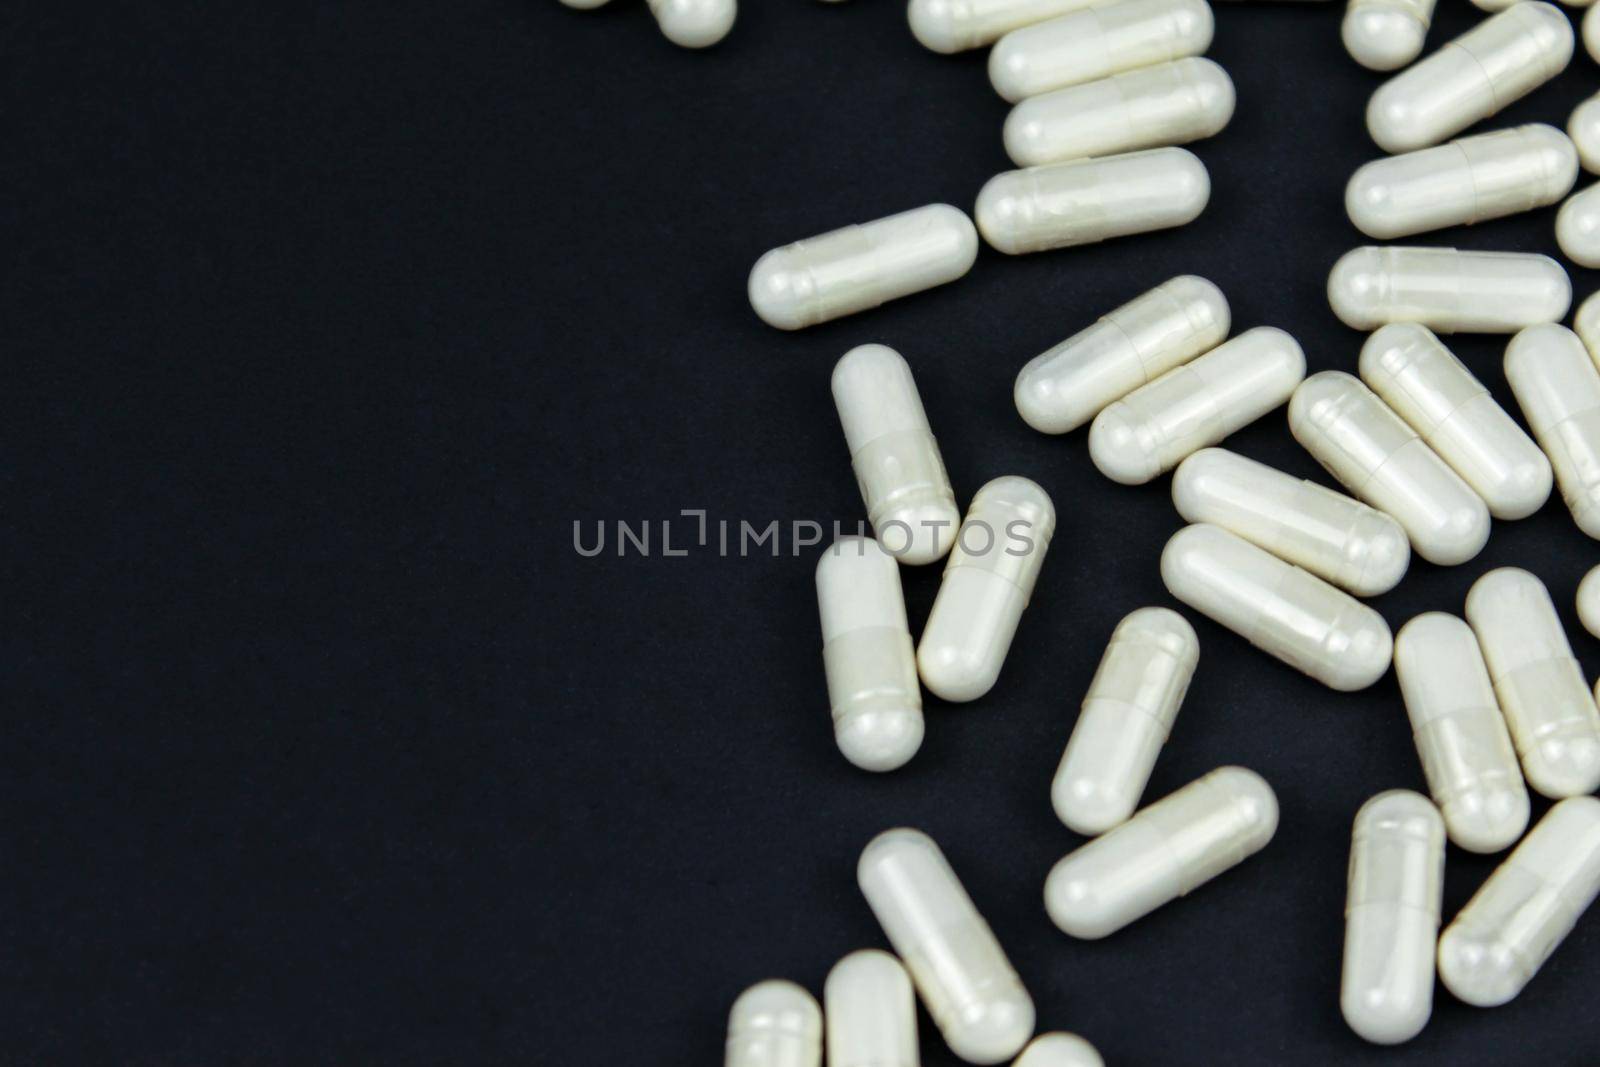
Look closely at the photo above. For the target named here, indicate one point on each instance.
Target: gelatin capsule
(1578, 228)
(775, 1024)
(585, 5)
(1589, 602)
(1557, 385)
(1584, 129)
(1059, 1050)
(1097, 42)
(950, 26)
(1591, 33)
(870, 1012)
(1386, 34)
(1448, 291)
(694, 23)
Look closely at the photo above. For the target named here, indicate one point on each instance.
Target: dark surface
(323, 325)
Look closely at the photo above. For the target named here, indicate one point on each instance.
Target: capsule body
(1386, 34)
(1166, 851)
(1591, 33)
(1584, 129)
(1586, 324)
(860, 267)
(970, 989)
(1578, 228)
(694, 23)
(1446, 290)
(585, 5)
(870, 1012)
(774, 1024)
(1059, 1050)
(951, 26)
(1557, 385)
(1282, 610)
(986, 586)
(1589, 602)
(1096, 43)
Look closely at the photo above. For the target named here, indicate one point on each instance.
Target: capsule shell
(585, 5)
(1578, 228)
(1584, 130)
(1557, 386)
(1586, 324)
(871, 1013)
(950, 26)
(1386, 34)
(1448, 291)
(1589, 602)
(1166, 851)
(969, 987)
(694, 23)
(1591, 33)
(1096, 43)
(774, 1024)
(1281, 609)
(861, 267)
(1059, 1050)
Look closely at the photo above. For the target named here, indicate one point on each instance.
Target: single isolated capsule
(1460, 734)
(1386, 34)
(775, 1024)
(1499, 61)
(1426, 385)
(1526, 909)
(1557, 385)
(1059, 1050)
(1126, 718)
(861, 267)
(1584, 129)
(1097, 42)
(950, 26)
(1167, 851)
(1391, 918)
(871, 1013)
(986, 586)
(1155, 427)
(1069, 204)
(1589, 602)
(1446, 290)
(970, 988)
(1578, 228)
(694, 23)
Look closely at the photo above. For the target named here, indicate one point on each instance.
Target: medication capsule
(1460, 734)
(1499, 61)
(1168, 104)
(986, 586)
(870, 1012)
(970, 988)
(1386, 34)
(1446, 290)
(1586, 324)
(774, 1024)
(1589, 602)
(1340, 540)
(694, 23)
(1282, 610)
(860, 267)
(1073, 382)
(1584, 129)
(1069, 204)
(1529, 905)
(1547, 704)
(1591, 33)
(1558, 387)
(585, 5)
(1167, 851)
(1153, 428)
(1059, 1050)
(1097, 42)
(951, 26)
(896, 459)
(1578, 228)
(1426, 385)
(1126, 718)
(1391, 917)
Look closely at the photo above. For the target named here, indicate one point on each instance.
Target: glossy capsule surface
(1282, 610)
(1096, 43)
(1557, 385)
(1578, 228)
(1166, 851)
(1158, 425)
(1591, 33)
(950, 26)
(969, 987)
(870, 1012)
(1447, 290)
(1059, 1050)
(1589, 602)
(1584, 129)
(1126, 718)
(1386, 34)
(774, 1024)
(694, 23)
(1529, 905)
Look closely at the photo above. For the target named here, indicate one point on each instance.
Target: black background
(323, 325)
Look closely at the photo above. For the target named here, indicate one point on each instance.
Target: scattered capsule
(970, 988)
(1446, 290)
(1426, 385)
(950, 26)
(775, 1024)
(1529, 905)
(694, 23)
(1167, 851)
(1090, 200)
(1126, 718)
(1386, 34)
(1584, 129)
(1586, 324)
(1589, 602)
(1591, 33)
(1558, 387)
(1073, 382)
(1578, 228)
(585, 5)
(861, 267)
(1460, 733)
(1484, 70)
(1059, 1050)
(1097, 42)
(986, 586)
(871, 1013)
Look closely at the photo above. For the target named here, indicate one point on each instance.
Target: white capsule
(1153, 428)
(1547, 704)
(1589, 602)
(951, 26)
(861, 267)
(1167, 851)
(969, 987)
(1584, 129)
(1526, 909)
(1343, 541)
(585, 5)
(870, 1012)
(986, 586)
(1426, 385)
(1097, 42)
(1391, 917)
(1460, 734)
(1591, 33)
(694, 23)
(1386, 34)
(1069, 204)
(1168, 104)
(1557, 386)
(1586, 324)
(1126, 718)
(1446, 290)
(1059, 1050)
(1484, 70)
(1578, 228)
(774, 1024)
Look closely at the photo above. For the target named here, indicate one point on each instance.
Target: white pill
(1547, 704)
(1126, 718)
(1168, 104)
(1343, 541)
(1097, 42)
(986, 587)
(1155, 427)
(861, 267)
(1447, 290)
(1485, 69)
(951, 26)
(1059, 1050)
(969, 987)
(1589, 602)
(1586, 324)
(1558, 387)
(1584, 129)
(1460, 734)
(1426, 385)
(1386, 34)
(585, 5)
(1089, 200)
(1167, 851)
(1391, 917)
(1578, 228)
(871, 1013)
(1529, 905)
(775, 1024)
(694, 23)
(1591, 33)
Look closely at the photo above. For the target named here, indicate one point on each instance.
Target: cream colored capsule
(1426, 385)
(1097, 42)
(1282, 610)
(1589, 602)
(1586, 324)
(1059, 1050)
(1557, 385)
(774, 1024)
(1578, 228)
(1584, 129)
(1386, 34)
(870, 1011)
(1591, 33)
(694, 23)
(1090, 200)
(585, 5)
(1448, 291)
(1166, 851)
(951, 26)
